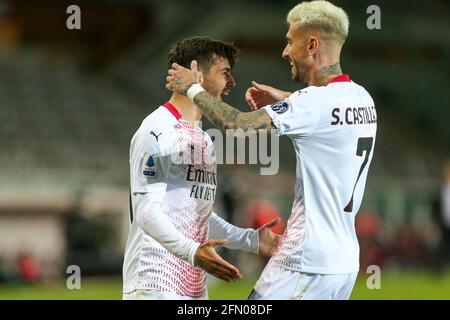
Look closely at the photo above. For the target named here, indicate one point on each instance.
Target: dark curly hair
(204, 50)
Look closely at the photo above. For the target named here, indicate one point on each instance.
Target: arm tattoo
(224, 116)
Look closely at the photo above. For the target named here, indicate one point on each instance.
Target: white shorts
(277, 283)
(158, 295)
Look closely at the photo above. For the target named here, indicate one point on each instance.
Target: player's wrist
(194, 89)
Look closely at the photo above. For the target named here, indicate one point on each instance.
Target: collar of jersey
(173, 110)
(341, 78)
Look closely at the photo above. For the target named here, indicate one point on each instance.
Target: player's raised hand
(260, 95)
(207, 258)
(179, 78)
(268, 240)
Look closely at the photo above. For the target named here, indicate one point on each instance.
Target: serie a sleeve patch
(150, 169)
(280, 107)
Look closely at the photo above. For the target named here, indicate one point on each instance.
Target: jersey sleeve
(151, 218)
(297, 116)
(237, 238)
(150, 163)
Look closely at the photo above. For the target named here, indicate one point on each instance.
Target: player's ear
(201, 77)
(200, 73)
(313, 45)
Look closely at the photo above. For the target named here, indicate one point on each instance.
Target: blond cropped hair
(320, 14)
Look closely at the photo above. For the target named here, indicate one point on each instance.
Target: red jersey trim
(341, 78)
(173, 110)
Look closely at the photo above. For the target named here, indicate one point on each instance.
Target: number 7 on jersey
(364, 144)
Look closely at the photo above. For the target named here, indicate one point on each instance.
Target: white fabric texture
(237, 238)
(277, 283)
(333, 131)
(150, 217)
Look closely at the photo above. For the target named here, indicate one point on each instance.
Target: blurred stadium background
(70, 102)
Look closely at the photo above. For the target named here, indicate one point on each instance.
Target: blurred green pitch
(394, 285)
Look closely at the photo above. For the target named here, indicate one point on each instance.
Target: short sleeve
(297, 116)
(150, 164)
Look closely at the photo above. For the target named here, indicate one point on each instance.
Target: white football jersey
(333, 130)
(170, 158)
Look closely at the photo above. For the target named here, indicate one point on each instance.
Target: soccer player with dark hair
(173, 187)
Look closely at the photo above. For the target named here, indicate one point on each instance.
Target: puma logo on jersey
(156, 136)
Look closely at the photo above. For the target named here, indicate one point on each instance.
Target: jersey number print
(364, 144)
